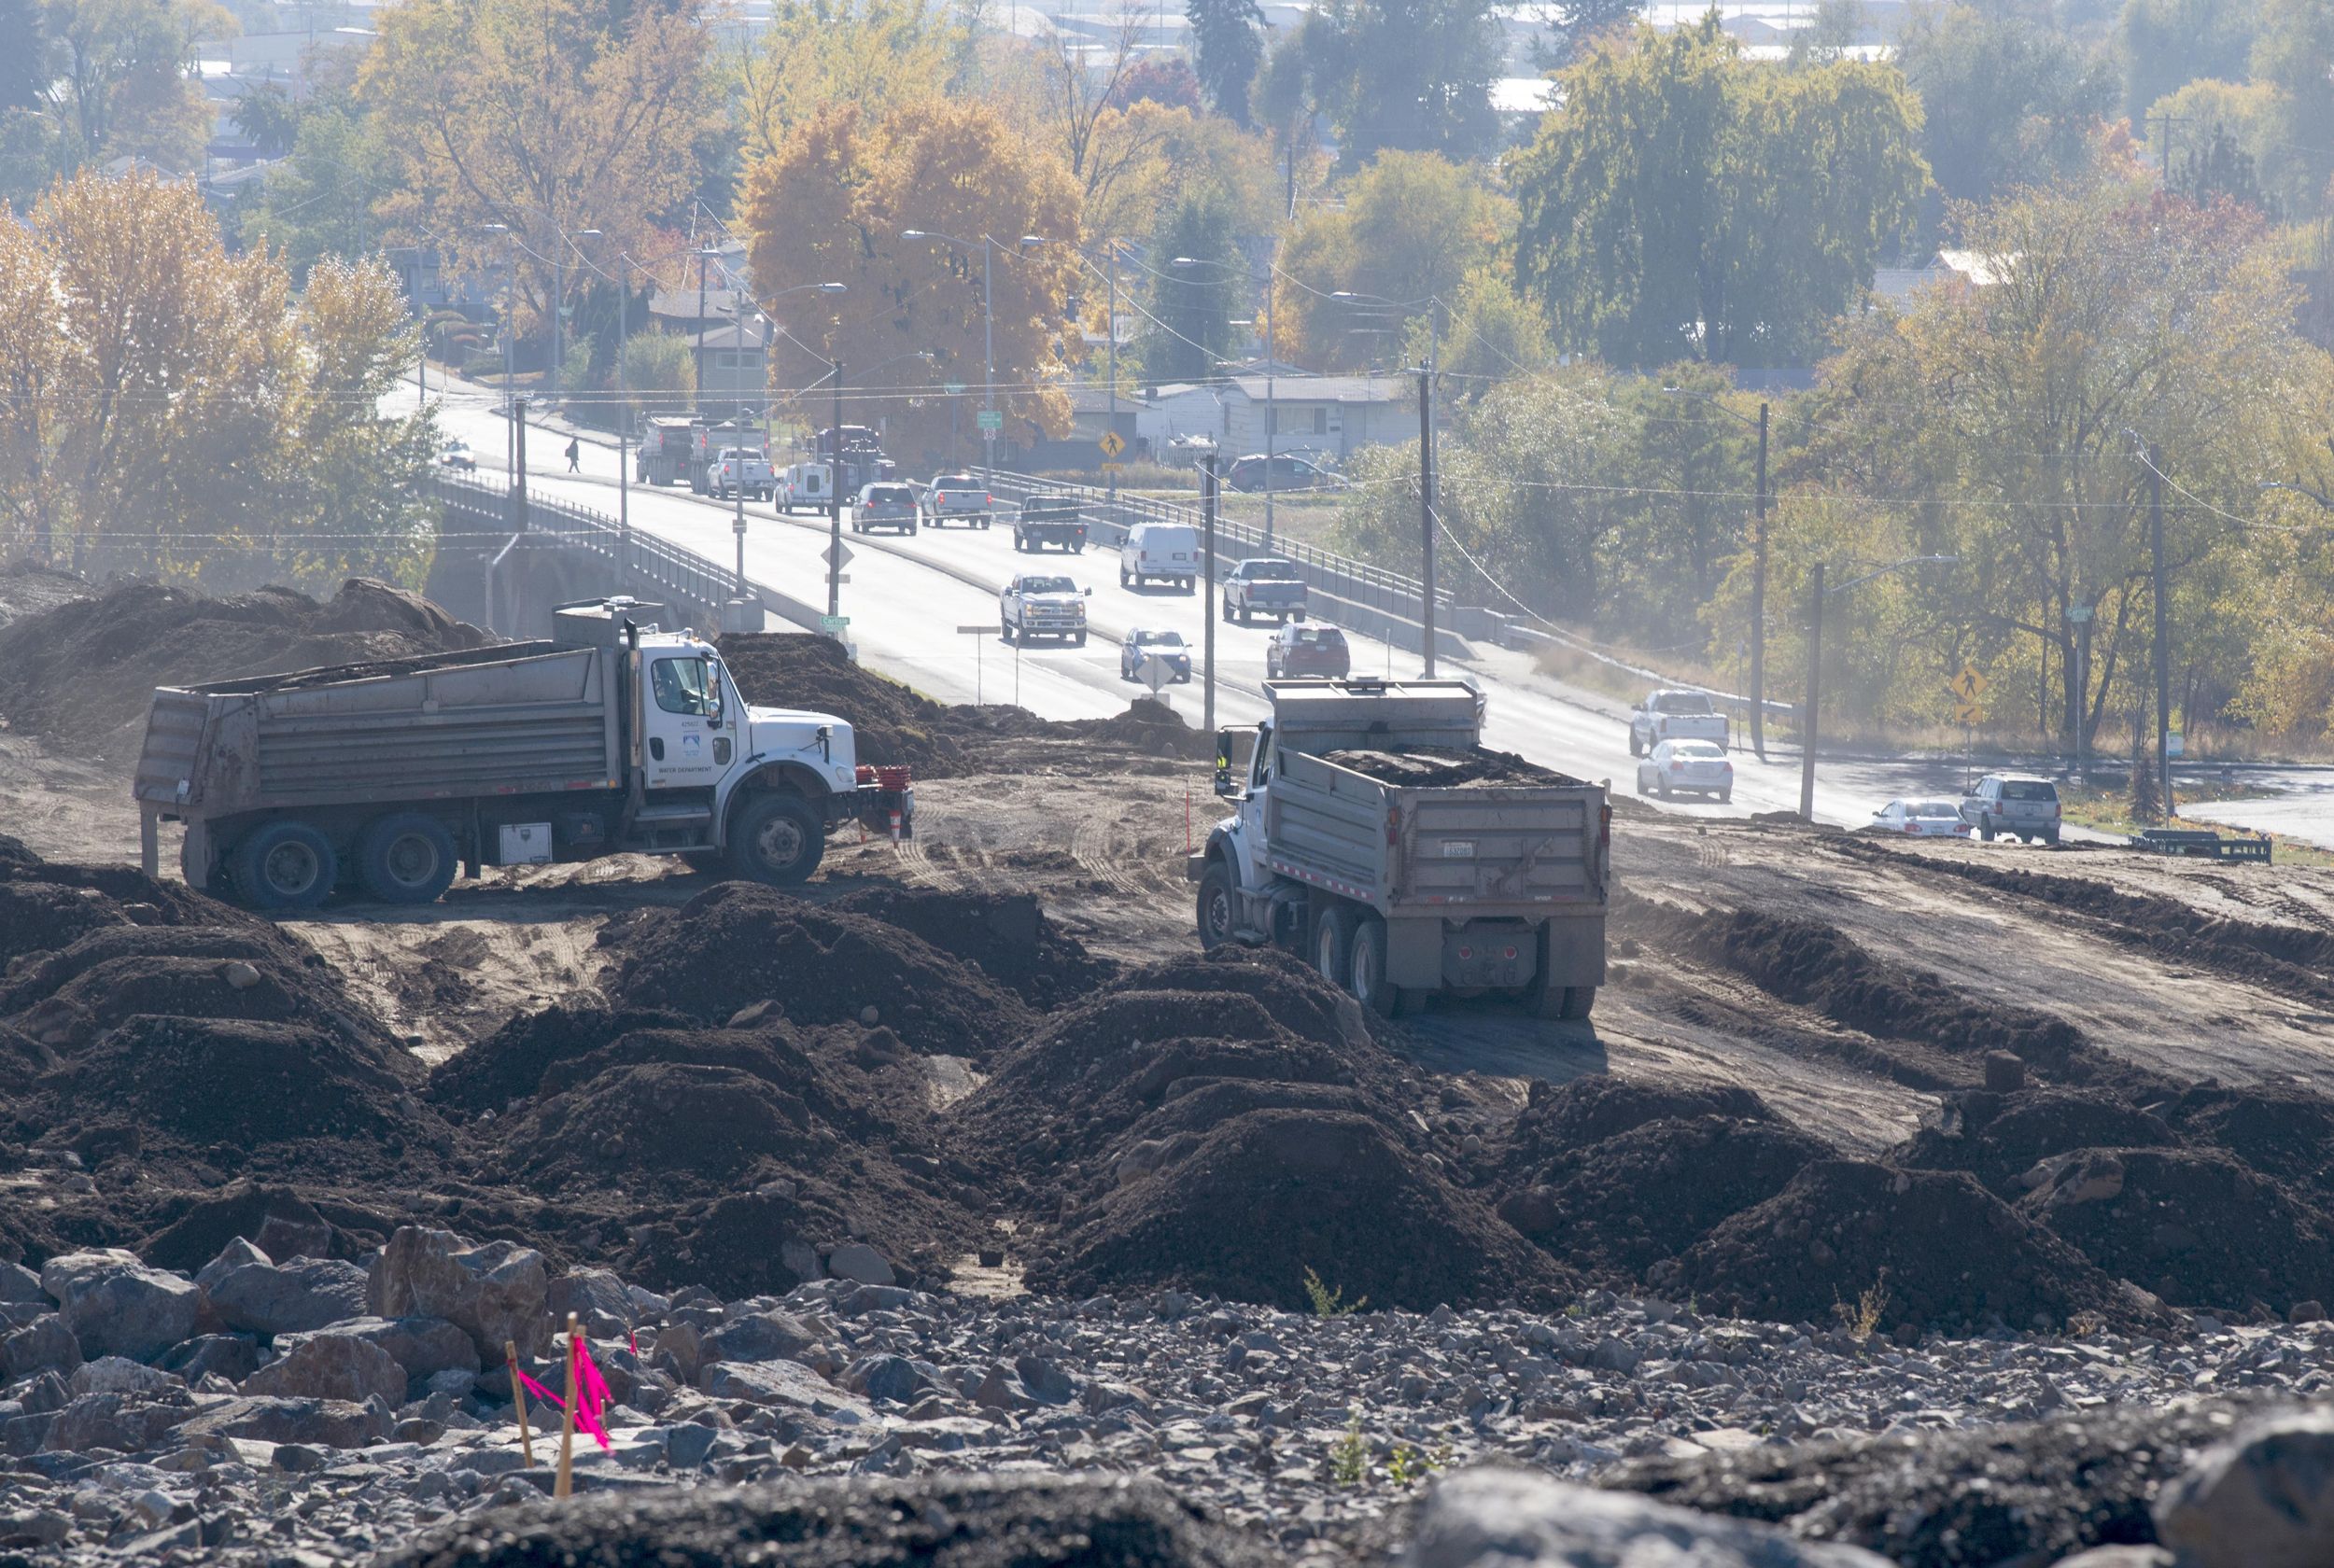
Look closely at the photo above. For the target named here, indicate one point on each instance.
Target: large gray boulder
(19, 1283)
(128, 1422)
(1499, 1518)
(424, 1347)
(596, 1298)
(328, 1366)
(323, 1423)
(754, 1337)
(2264, 1499)
(495, 1292)
(116, 1305)
(268, 1299)
(44, 1345)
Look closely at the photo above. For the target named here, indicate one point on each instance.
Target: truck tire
(1217, 903)
(1077, 639)
(406, 857)
(2050, 838)
(284, 864)
(1635, 749)
(778, 839)
(1365, 970)
(1985, 830)
(1578, 1000)
(1332, 944)
(1004, 629)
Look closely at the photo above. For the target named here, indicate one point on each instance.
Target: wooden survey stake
(565, 1485)
(518, 1402)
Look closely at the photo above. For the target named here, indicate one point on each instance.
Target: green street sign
(833, 622)
(954, 390)
(991, 419)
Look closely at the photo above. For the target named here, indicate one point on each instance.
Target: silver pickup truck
(1037, 605)
(1674, 716)
(1264, 586)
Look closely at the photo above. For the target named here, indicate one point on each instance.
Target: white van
(1161, 553)
(803, 487)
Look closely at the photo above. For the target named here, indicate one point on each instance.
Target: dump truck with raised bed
(610, 737)
(1377, 836)
(665, 442)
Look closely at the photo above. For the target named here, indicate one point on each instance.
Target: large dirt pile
(1008, 935)
(85, 671)
(1849, 1238)
(1226, 1123)
(509, 1064)
(2000, 1136)
(28, 590)
(891, 724)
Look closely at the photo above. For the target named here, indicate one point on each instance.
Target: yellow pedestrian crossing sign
(1967, 713)
(1969, 685)
(1113, 443)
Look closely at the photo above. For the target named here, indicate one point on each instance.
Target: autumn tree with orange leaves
(833, 206)
(167, 408)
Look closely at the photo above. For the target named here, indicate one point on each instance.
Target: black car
(1140, 645)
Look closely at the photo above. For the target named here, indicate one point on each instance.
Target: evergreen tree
(1228, 46)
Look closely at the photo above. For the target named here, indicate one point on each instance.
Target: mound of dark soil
(283, 1222)
(87, 668)
(510, 1063)
(1818, 966)
(1561, 1121)
(668, 1119)
(1640, 1197)
(962, 1521)
(113, 991)
(1007, 934)
(49, 904)
(1147, 727)
(2032, 1491)
(28, 590)
(1269, 1193)
(2198, 1229)
(1935, 1247)
(1436, 769)
(1999, 1137)
(1162, 1033)
(2284, 1131)
(264, 1098)
(739, 944)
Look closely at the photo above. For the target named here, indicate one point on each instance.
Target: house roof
(727, 337)
(1325, 389)
(680, 304)
(1975, 265)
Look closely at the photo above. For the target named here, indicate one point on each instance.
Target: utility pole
(1806, 716)
(1272, 409)
(1207, 606)
(834, 501)
(1112, 425)
(1425, 507)
(518, 469)
(2163, 649)
(989, 354)
(2168, 121)
(623, 411)
(1758, 607)
(738, 527)
(558, 285)
(702, 255)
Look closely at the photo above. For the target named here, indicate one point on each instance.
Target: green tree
(1191, 307)
(268, 116)
(1490, 335)
(1408, 75)
(1413, 226)
(1686, 204)
(2294, 53)
(2166, 44)
(2008, 101)
(659, 362)
(320, 201)
(1227, 47)
(1576, 21)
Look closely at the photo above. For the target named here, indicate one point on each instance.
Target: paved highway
(907, 596)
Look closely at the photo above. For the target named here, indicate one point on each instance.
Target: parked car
(2016, 804)
(1288, 472)
(1161, 553)
(1921, 818)
(1036, 604)
(1141, 646)
(958, 498)
(1300, 649)
(458, 455)
(888, 505)
(1674, 716)
(1265, 585)
(1676, 767)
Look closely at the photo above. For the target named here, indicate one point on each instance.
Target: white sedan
(1676, 767)
(1921, 818)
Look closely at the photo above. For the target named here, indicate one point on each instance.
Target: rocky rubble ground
(310, 1410)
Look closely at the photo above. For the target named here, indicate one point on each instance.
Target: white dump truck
(1378, 837)
(614, 736)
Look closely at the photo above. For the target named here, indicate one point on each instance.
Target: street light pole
(1207, 606)
(1110, 425)
(1426, 508)
(1758, 607)
(2163, 650)
(988, 352)
(1807, 714)
(834, 502)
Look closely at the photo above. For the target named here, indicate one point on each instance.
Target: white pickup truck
(1036, 604)
(1674, 716)
(742, 469)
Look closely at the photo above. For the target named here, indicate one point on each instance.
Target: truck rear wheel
(1578, 1002)
(778, 839)
(1216, 900)
(1365, 974)
(284, 864)
(1332, 944)
(406, 857)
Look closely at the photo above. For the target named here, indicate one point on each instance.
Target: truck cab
(1674, 716)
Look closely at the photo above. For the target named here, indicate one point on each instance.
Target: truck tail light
(1393, 827)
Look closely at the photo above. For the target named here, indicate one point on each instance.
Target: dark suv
(1302, 650)
(1289, 473)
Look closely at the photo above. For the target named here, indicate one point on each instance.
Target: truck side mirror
(1224, 784)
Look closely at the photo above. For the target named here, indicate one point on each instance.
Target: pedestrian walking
(575, 454)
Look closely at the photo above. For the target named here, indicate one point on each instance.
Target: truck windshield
(1047, 585)
(681, 685)
(1681, 702)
